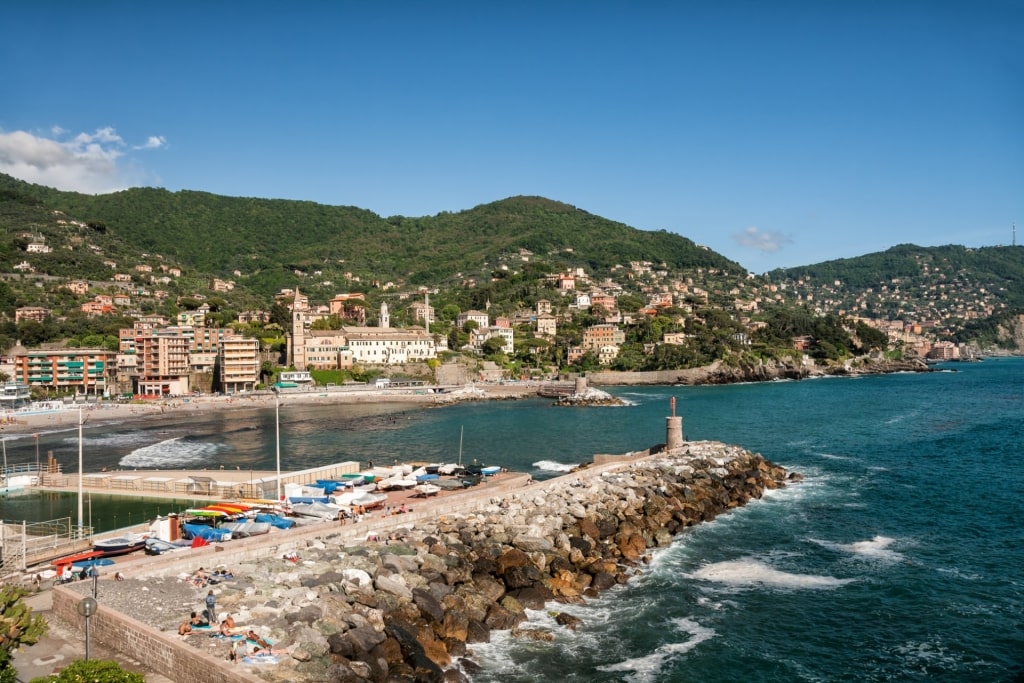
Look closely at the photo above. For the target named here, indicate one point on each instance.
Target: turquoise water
(898, 559)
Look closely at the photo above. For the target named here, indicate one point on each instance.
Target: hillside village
(180, 331)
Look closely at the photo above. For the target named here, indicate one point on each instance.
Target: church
(349, 346)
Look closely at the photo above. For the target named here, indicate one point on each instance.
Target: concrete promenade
(220, 484)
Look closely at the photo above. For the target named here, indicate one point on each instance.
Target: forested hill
(911, 269)
(265, 239)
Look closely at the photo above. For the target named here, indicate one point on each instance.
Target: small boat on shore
(396, 483)
(158, 546)
(243, 529)
(425, 490)
(205, 532)
(306, 500)
(276, 521)
(318, 510)
(120, 545)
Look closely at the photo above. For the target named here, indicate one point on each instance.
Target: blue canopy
(275, 520)
(207, 533)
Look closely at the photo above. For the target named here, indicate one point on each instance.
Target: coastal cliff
(409, 605)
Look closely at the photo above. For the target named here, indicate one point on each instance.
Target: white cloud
(93, 163)
(762, 240)
(153, 142)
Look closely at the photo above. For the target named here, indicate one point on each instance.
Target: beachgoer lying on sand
(261, 644)
(199, 578)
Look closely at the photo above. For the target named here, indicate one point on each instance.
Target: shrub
(92, 671)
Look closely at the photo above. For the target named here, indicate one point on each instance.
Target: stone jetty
(408, 604)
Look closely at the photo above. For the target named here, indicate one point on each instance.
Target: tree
(331, 322)
(493, 347)
(92, 671)
(18, 626)
(450, 312)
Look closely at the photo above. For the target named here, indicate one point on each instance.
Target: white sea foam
(920, 655)
(960, 573)
(749, 572)
(552, 466)
(833, 456)
(640, 397)
(110, 440)
(648, 667)
(170, 453)
(876, 549)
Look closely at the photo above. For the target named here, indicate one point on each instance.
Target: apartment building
(37, 313)
(506, 334)
(480, 318)
(162, 363)
(596, 336)
(82, 371)
(238, 360)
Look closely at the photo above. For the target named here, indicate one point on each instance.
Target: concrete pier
(199, 484)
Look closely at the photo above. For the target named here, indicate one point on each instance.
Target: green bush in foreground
(93, 671)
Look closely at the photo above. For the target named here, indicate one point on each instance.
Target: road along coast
(405, 597)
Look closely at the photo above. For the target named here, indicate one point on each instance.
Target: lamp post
(80, 473)
(87, 607)
(277, 425)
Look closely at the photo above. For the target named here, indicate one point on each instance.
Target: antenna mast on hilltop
(1014, 234)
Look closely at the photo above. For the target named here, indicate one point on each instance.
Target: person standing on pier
(211, 607)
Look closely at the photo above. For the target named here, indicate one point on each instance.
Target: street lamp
(87, 607)
(80, 473)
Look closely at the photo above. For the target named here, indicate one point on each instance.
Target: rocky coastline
(410, 606)
(769, 371)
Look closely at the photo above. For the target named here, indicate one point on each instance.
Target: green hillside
(915, 270)
(266, 240)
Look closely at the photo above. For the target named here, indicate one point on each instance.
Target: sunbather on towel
(227, 626)
(260, 642)
(194, 621)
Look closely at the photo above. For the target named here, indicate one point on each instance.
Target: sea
(899, 557)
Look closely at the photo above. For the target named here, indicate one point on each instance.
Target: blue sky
(777, 133)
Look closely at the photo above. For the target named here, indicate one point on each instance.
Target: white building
(389, 346)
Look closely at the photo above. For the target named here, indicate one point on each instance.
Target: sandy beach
(27, 422)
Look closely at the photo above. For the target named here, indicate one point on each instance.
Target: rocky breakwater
(409, 605)
(589, 397)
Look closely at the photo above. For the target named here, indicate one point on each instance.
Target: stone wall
(162, 652)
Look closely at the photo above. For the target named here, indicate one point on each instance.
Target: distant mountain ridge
(911, 269)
